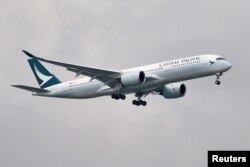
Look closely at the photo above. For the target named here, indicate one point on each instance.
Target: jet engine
(173, 90)
(133, 78)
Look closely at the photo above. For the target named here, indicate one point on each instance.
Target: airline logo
(41, 76)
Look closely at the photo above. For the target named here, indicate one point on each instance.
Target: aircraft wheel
(123, 97)
(113, 96)
(217, 82)
(139, 102)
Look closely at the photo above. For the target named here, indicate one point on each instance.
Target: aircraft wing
(108, 77)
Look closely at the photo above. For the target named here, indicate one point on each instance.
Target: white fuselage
(165, 72)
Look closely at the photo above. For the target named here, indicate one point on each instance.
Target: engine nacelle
(133, 78)
(173, 90)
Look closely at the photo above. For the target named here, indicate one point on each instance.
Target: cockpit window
(220, 58)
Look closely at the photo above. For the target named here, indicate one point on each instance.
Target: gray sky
(36, 131)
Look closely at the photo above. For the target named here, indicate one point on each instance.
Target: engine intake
(173, 90)
(133, 78)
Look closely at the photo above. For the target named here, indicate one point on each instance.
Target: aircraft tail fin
(43, 76)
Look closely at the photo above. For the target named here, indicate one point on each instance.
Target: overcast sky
(38, 131)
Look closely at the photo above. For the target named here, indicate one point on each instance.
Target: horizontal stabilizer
(32, 89)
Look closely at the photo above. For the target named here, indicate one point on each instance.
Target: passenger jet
(163, 79)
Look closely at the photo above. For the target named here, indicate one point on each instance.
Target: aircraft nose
(228, 65)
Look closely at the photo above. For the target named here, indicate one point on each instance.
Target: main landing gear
(217, 81)
(139, 102)
(118, 96)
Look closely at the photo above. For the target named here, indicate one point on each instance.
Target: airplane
(163, 78)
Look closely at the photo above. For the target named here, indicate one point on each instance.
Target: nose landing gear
(217, 81)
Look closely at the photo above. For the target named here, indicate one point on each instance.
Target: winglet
(28, 54)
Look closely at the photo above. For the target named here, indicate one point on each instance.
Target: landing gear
(123, 97)
(139, 102)
(217, 82)
(118, 96)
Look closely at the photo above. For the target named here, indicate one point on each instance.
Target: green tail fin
(43, 76)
